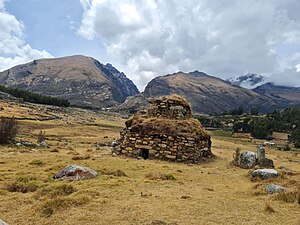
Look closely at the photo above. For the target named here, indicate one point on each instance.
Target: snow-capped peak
(249, 81)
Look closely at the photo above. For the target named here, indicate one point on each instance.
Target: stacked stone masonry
(188, 148)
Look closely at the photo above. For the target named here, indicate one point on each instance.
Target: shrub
(41, 136)
(8, 130)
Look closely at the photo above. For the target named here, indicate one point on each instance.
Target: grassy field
(130, 191)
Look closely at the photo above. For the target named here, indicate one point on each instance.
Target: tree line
(260, 126)
(28, 96)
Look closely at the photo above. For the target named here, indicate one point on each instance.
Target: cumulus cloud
(223, 38)
(13, 48)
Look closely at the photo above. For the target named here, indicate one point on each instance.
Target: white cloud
(13, 48)
(288, 77)
(223, 38)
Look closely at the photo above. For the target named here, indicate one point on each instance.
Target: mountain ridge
(207, 94)
(81, 80)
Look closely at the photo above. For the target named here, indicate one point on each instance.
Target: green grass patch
(221, 133)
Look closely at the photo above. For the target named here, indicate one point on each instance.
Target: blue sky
(147, 38)
(49, 26)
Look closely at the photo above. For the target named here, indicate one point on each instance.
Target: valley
(213, 192)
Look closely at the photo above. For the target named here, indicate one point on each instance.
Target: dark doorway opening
(145, 153)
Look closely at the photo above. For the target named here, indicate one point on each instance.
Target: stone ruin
(165, 131)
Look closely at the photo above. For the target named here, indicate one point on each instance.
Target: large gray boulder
(74, 173)
(274, 188)
(265, 173)
(247, 160)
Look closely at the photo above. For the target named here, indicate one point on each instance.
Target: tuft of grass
(159, 176)
(61, 203)
(81, 157)
(22, 187)
(54, 150)
(56, 191)
(23, 184)
(37, 162)
(116, 173)
(25, 178)
(288, 197)
(268, 208)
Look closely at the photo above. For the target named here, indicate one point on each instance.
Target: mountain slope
(79, 79)
(207, 94)
(291, 94)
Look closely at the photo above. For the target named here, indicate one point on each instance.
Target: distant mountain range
(81, 80)
(207, 94)
(85, 81)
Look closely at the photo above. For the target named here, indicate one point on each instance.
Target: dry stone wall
(143, 139)
(164, 147)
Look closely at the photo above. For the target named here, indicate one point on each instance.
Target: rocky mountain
(292, 94)
(79, 79)
(250, 80)
(207, 94)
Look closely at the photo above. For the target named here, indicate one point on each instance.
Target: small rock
(114, 144)
(265, 173)
(18, 144)
(74, 173)
(274, 188)
(185, 197)
(28, 144)
(247, 160)
(3, 223)
(44, 144)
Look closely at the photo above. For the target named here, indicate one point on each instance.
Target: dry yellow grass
(211, 193)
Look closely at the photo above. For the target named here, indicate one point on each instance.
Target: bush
(41, 137)
(8, 130)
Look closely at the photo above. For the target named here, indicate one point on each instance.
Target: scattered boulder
(265, 173)
(43, 144)
(247, 160)
(262, 161)
(274, 188)
(75, 173)
(3, 223)
(28, 144)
